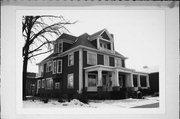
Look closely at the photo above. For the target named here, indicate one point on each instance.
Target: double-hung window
(49, 66)
(49, 82)
(59, 66)
(60, 47)
(71, 59)
(39, 84)
(54, 67)
(106, 60)
(91, 58)
(92, 80)
(70, 81)
(118, 62)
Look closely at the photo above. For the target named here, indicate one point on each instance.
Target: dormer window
(104, 45)
(60, 47)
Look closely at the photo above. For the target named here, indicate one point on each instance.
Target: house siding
(66, 46)
(68, 70)
(94, 42)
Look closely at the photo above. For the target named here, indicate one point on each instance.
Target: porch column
(98, 44)
(116, 81)
(138, 81)
(86, 79)
(147, 81)
(99, 77)
(131, 80)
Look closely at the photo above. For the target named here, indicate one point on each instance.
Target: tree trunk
(25, 63)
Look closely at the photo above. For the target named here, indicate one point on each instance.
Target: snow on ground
(123, 103)
(53, 103)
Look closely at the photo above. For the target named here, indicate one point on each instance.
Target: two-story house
(87, 63)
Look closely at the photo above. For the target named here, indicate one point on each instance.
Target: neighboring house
(153, 72)
(87, 64)
(30, 83)
(154, 82)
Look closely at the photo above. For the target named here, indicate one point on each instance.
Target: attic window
(60, 47)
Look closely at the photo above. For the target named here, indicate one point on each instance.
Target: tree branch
(39, 54)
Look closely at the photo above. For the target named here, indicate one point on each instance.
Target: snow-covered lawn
(123, 103)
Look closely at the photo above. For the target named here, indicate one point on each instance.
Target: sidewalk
(154, 105)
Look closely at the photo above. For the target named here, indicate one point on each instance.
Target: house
(90, 65)
(153, 72)
(154, 82)
(30, 83)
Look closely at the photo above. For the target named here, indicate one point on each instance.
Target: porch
(108, 79)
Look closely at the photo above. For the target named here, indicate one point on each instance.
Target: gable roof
(96, 34)
(83, 40)
(49, 56)
(67, 36)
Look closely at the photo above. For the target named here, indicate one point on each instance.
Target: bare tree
(38, 32)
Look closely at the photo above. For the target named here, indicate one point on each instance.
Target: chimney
(112, 36)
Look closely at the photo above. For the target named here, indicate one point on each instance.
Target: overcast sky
(138, 34)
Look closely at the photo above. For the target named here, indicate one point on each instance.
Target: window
(71, 59)
(55, 47)
(49, 82)
(118, 63)
(57, 85)
(54, 67)
(92, 79)
(106, 60)
(143, 81)
(49, 66)
(60, 47)
(70, 83)
(43, 83)
(39, 84)
(40, 70)
(59, 66)
(91, 58)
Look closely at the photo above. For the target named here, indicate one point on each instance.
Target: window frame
(72, 59)
(88, 60)
(56, 85)
(116, 62)
(61, 47)
(95, 79)
(54, 67)
(106, 57)
(50, 85)
(48, 66)
(39, 84)
(69, 75)
(57, 63)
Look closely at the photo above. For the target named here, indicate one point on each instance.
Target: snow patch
(123, 103)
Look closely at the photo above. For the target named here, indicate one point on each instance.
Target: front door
(122, 81)
(106, 82)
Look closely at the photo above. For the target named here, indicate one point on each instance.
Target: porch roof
(110, 68)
